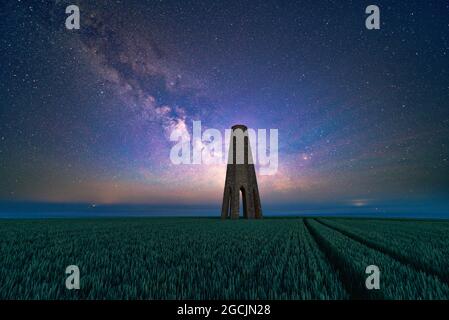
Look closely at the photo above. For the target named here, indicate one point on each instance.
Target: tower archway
(243, 205)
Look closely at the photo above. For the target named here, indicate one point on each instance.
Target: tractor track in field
(315, 243)
(337, 264)
(388, 252)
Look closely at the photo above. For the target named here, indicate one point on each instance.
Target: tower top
(239, 126)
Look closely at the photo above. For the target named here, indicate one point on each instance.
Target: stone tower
(240, 178)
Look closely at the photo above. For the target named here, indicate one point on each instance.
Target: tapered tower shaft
(241, 179)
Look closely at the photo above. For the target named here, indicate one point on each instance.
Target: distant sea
(52, 210)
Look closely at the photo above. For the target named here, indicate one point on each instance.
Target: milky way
(363, 116)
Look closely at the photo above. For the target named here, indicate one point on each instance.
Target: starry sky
(363, 115)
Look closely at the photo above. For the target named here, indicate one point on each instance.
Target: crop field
(206, 258)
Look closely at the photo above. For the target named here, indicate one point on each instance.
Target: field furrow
(425, 248)
(398, 281)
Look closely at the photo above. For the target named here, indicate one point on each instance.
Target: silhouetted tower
(240, 178)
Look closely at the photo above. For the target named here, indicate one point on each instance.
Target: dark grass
(198, 258)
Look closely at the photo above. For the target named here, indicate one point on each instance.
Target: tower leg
(227, 203)
(250, 204)
(257, 206)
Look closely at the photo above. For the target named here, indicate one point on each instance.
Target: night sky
(363, 115)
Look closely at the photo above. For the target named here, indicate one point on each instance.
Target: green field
(206, 258)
